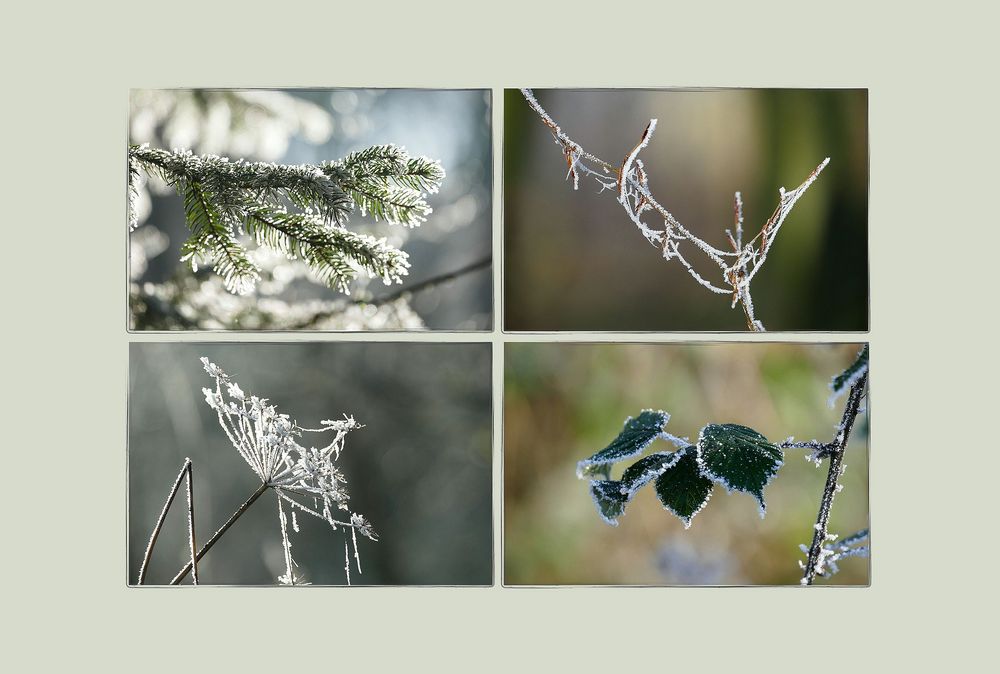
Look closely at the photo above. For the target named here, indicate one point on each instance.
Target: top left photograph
(309, 209)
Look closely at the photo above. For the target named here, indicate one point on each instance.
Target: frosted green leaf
(611, 496)
(644, 470)
(635, 437)
(850, 376)
(738, 458)
(609, 499)
(681, 488)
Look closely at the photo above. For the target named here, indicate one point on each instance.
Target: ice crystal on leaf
(305, 478)
(682, 489)
(637, 435)
(846, 379)
(738, 458)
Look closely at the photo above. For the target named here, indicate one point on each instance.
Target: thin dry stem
(191, 536)
(218, 534)
(185, 470)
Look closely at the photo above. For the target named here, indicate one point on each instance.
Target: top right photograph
(686, 210)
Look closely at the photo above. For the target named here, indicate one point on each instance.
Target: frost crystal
(855, 545)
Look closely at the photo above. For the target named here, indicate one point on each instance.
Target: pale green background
(933, 216)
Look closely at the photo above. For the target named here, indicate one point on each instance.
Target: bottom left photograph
(309, 463)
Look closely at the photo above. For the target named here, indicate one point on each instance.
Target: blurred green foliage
(574, 261)
(420, 470)
(563, 402)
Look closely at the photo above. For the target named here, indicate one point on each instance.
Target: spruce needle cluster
(299, 210)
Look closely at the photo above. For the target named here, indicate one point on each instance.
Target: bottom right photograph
(686, 464)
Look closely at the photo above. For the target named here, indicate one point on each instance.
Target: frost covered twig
(833, 550)
(630, 182)
(818, 556)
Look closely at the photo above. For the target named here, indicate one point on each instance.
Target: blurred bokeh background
(311, 126)
(564, 402)
(420, 470)
(574, 261)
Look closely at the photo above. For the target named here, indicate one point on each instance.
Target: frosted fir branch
(226, 200)
(334, 254)
(631, 184)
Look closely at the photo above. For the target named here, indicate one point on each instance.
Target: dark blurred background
(574, 261)
(420, 470)
(564, 402)
(311, 126)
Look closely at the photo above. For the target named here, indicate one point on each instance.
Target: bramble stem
(218, 534)
(836, 454)
(163, 516)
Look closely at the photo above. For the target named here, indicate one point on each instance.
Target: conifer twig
(630, 182)
(297, 210)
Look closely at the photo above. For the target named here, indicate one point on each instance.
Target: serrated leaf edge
(707, 472)
(686, 521)
(588, 462)
(597, 504)
(650, 475)
(637, 484)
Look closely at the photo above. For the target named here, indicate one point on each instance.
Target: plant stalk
(836, 454)
(191, 537)
(144, 568)
(218, 534)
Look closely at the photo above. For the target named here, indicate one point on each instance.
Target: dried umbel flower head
(306, 478)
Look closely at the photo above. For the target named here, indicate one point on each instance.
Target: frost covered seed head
(306, 478)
